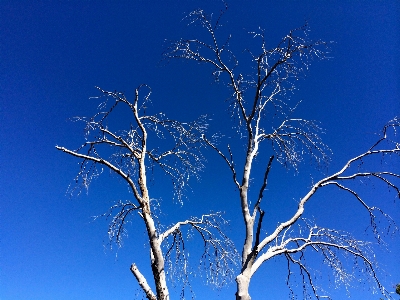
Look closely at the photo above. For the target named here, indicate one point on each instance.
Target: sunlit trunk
(243, 283)
(157, 259)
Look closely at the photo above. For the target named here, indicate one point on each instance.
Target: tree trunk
(160, 280)
(243, 283)
(157, 258)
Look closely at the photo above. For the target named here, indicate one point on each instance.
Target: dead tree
(127, 154)
(259, 103)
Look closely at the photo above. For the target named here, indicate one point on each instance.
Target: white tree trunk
(157, 259)
(243, 283)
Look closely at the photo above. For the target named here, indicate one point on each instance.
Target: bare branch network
(126, 153)
(259, 102)
(256, 99)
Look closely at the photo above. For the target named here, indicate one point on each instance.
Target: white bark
(181, 161)
(143, 283)
(276, 73)
(243, 283)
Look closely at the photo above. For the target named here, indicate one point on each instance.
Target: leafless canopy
(181, 161)
(259, 102)
(127, 153)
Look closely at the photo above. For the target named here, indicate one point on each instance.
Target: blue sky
(53, 54)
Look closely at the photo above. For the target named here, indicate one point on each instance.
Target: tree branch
(107, 164)
(230, 162)
(219, 254)
(143, 283)
(263, 187)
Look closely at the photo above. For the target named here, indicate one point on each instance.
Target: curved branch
(109, 165)
(124, 144)
(230, 162)
(219, 254)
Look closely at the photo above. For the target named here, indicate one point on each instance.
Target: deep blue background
(53, 54)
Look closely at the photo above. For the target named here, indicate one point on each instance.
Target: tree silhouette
(260, 105)
(131, 153)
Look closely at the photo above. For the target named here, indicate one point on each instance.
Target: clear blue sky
(53, 53)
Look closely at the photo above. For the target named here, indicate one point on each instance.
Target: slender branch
(264, 185)
(143, 283)
(230, 162)
(124, 143)
(109, 165)
(303, 269)
(326, 181)
(258, 232)
(219, 256)
(350, 191)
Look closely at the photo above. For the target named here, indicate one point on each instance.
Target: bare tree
(127, 154)
(260, 104)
